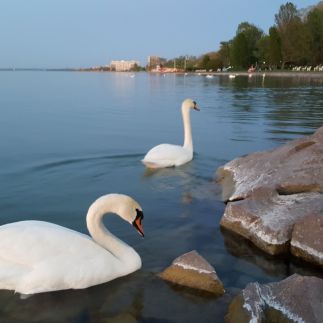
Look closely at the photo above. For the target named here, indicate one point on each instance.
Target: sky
(84, 33)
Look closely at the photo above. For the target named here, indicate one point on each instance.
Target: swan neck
(100, 234)
(188, 141)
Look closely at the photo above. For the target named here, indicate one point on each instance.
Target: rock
(268, 192)
(294, 299)
(193, 271)
(307, 239)
(293, 168)
(267, 218)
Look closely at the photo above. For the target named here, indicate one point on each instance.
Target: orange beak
(138, 226)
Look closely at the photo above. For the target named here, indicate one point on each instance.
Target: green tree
(252, 34)
(294, 36)
(245, 42)
(314, 24)
(287, 14)
(240, 52)
(274, 48)
(224, 53)
(263, 50)
(205, 62)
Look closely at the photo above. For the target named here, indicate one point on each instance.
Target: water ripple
(50, 165)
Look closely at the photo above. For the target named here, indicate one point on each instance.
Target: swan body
(37, 256)
(167, 155)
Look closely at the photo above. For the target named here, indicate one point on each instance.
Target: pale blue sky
(78, 33)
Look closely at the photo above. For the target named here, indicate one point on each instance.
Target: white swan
(37, 256)
(166, 155)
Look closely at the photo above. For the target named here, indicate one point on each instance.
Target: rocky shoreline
(273, 198)
(275, 201)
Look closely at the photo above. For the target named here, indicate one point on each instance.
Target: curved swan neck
(188, 141)
(100, 234)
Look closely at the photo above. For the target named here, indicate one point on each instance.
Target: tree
(205, 61)
(274, 48)
(224, 53)
(240, 52)
(314, 24)
(293, 34)
(287, 14)
(210, 61)
(246, 39)
(263, 49)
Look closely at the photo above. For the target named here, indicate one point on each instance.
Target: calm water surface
(68, 138)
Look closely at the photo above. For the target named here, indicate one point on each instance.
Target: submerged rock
(268, 192)
(193, 271)
(294, 299)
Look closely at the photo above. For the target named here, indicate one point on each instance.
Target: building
(123, 66)
(154, 61)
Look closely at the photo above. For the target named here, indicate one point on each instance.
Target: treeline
(296, 39)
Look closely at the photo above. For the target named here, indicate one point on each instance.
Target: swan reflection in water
(186, 178)
(120, 300)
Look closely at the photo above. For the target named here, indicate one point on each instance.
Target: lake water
(67, 138)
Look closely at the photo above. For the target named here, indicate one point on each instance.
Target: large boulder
(193, 271)
(296, 167)
(295, 299)
(307, 239)
(268, 192)
(267, 218)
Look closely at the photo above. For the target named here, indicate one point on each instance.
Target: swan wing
(38, 256)
(166, 155)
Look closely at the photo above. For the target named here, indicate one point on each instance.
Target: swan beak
(195, 107)
(137, 222)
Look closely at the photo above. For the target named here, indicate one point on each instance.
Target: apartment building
(123, 66)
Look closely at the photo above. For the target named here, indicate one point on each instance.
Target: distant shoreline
(242, 73)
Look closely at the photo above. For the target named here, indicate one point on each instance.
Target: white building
(123, 66)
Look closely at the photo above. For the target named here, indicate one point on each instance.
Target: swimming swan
(166, 155)
(37, 256)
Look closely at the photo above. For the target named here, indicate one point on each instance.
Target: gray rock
(193, 271)
(295, 299)
(267, 218)
(293, 168)
(307, 239)
(268, 192)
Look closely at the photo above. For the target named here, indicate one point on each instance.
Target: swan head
(130, 211)
(123, 205)
(190, 104)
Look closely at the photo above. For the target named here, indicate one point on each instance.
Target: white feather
(38, 256)
(167, 155)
